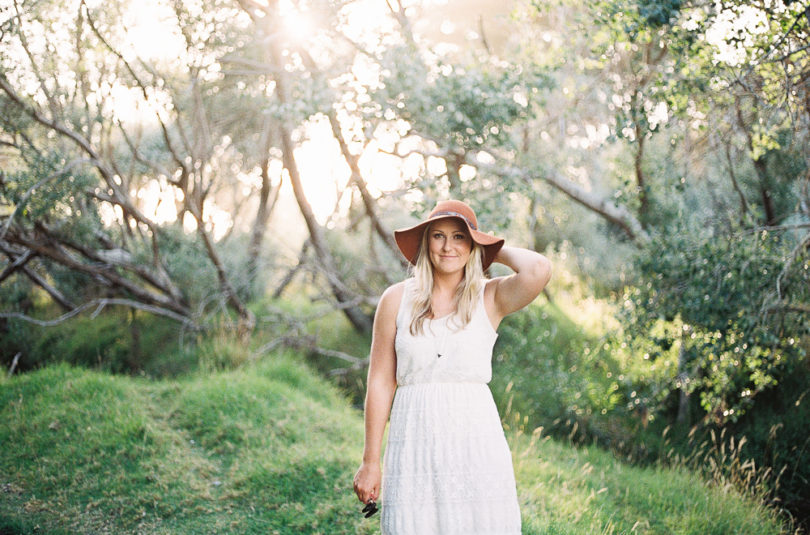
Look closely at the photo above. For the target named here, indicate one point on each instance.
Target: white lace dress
(447, 468)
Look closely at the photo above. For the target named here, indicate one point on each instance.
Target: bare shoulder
(390, 300)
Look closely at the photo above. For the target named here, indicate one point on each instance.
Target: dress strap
(480, 305)
(481, 309)
(406, 303)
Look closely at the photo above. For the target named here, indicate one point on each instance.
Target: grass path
(271, 448)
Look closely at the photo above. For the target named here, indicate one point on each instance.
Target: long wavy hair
(466, 292)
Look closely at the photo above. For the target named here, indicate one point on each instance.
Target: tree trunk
(641, 184)
(20, 263)
(760, 169)
(352, 160)
(604, 206)
(135, 354)
(246, 318)
(765, 193)
(265, 17)
(291, 273)
(267, 201)
(360, 320)
(453, 162)
(736, 185)
(683, 378)
(368, 201)
(47, 246)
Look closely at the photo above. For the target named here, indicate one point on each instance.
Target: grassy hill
(271, 448)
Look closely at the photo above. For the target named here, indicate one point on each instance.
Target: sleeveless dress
(447, 467)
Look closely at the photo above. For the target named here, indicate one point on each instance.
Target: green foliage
(545, 371)
(584, 387)
(621, 391)
(459, 107)
(17, 294)
(658, 13)
(115, 341)
(723, 288)
(776, 436)
(186, 262)
(784, 165)
(48, 189)
(637, 16)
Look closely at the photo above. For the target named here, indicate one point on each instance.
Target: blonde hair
(466, 293)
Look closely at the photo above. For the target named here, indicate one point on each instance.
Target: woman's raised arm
(532, 272)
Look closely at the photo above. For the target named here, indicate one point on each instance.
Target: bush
(117, 340)
(740, 335)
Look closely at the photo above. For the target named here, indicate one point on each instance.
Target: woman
(447, 466)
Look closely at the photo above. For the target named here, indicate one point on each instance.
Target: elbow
(381, 385)
(540, 273)
(546, 270)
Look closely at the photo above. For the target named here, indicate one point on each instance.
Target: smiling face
(449, 245)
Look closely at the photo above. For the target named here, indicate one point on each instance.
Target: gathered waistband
(443, 383)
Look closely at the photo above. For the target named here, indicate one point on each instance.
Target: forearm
(379, 397)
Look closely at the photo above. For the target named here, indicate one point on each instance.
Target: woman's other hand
(367, 482)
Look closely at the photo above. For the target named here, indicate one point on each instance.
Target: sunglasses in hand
(370, 508)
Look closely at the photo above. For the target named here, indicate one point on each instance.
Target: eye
(460, 236)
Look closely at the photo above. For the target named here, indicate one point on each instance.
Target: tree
(210, 115)
(83, 116)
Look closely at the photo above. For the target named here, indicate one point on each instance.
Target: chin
(449, 269)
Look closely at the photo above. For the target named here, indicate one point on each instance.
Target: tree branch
(53, 249)
(121, 198)
(357, 179)
(15, 263)
(141, 85)
(603, 206)
(99, 305)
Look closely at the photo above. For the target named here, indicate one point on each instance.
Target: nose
(446, 244)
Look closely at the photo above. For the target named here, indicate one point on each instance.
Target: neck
(446, 283)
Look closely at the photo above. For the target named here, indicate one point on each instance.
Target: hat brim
(408, 240)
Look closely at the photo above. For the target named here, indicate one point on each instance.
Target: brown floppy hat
(408, 239)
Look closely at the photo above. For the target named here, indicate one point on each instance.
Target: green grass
(271, 448)
(585, 490)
